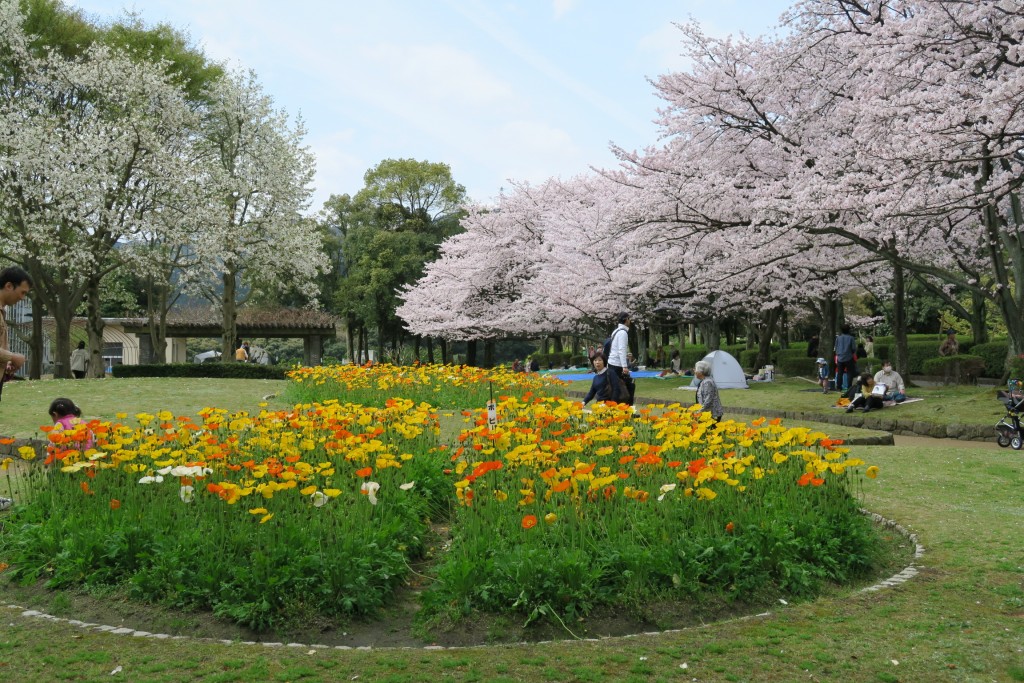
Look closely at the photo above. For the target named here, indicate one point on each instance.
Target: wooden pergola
(288, 323)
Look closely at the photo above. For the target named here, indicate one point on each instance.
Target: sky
(500, 90)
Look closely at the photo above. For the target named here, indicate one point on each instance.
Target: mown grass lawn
(962, 619)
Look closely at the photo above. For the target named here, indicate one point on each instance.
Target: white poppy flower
(319, 499)
(408, 485)
(371, 488)
(187, 494)
(165, 470)
(151, 480)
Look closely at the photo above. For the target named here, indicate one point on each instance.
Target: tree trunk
(712, 334)
(829, 327)
(784, 330)
(445, 358)
(35, 363)
(350, 340)
(416, 348)
(229, 316)
(900, 355)
(430, 350)
(557, 340)
(766, 332)
(156, 311)
(979, 314)
(489, 353)
(471, 353)
(94, 327)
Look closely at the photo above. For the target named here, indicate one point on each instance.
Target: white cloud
(563, 7)
(435, 72)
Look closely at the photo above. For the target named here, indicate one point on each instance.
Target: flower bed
(561, 511)
(553, 511)
(443, 386)
(255, 517)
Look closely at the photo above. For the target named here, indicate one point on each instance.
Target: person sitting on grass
(675, 366)
(895, 390)
(865, 398)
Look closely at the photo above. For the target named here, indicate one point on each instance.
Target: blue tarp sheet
(576, 376)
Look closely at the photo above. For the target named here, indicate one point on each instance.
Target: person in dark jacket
(846, 365)
(605, 385)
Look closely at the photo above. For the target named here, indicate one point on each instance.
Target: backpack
(608, 346)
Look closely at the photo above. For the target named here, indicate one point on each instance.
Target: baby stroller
(1008, 431)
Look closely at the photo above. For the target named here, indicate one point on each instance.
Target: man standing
(846, 366)
(618, 360)
(14, 285)
(950, 347)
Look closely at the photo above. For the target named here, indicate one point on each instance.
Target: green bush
(919, 352)
(796, 366)
(960, 369)
(1017, 367)
(748, 357)
(218, 370)
(689, 356)
(580, 361)
(994, 354)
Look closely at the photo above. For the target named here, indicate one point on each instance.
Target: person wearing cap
(895, 390)
(823, 375)
(951, 346)
(618, 355)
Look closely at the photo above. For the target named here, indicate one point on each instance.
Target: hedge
(690, 355)
(994, 354)
(218, 370)
(801, 366)
(959, 369)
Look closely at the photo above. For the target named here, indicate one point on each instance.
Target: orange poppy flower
(529, 521)
(115, 504)
(561, 486)
(365, 472)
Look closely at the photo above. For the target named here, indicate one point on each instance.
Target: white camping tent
(725, 370)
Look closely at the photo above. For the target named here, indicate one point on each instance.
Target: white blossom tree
(84, 159)
(255, 180)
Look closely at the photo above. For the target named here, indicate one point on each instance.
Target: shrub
(796, 365)
(960, 369)
(1017, 367)
(219, 370)
(920, 352)
(689, 356)
(994, 354)
(748, 357)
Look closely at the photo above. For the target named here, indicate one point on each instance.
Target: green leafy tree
(380, 240)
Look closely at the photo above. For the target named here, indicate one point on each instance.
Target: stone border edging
(908, 572)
